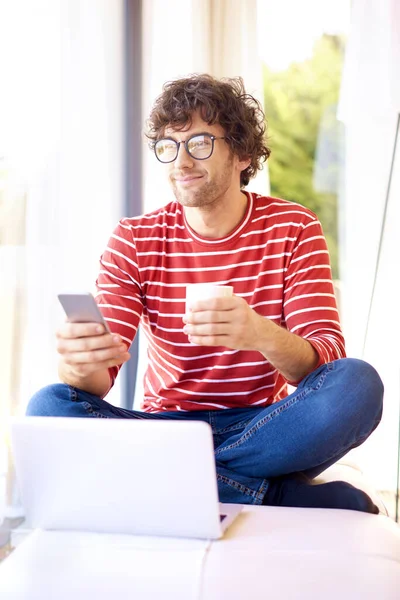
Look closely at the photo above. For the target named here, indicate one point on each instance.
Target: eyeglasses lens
(166, 150)
(199, 146)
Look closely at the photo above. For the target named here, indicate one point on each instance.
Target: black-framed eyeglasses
(199, 146)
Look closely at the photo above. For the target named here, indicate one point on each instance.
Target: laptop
(139, 477)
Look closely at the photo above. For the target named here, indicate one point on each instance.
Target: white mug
(204, 291)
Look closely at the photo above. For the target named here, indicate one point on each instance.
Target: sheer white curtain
(370, 104)
(219, 38)
(61, 123)
(76, 189)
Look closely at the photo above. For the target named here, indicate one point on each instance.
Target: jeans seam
(73, 393)
(326, 369)
(85, 404)
(93, 413)
(240, 425)
(212, 422)
(258, 495)
(281, 408)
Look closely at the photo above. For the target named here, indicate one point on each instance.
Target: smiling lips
(188, 178)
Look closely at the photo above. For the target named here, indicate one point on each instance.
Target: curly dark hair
(222, 101)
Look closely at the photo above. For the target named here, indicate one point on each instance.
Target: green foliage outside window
(306, 139)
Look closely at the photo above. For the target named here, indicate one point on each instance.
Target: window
(302, 48)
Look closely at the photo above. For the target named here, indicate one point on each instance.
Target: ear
(242, 164)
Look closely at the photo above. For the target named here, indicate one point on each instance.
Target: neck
(217, 220)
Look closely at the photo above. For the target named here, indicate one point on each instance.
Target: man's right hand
(87, 351)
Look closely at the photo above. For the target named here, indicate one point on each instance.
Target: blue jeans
(333, 409)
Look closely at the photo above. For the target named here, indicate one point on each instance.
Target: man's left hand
(226, 321)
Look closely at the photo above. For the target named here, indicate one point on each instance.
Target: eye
(165, 147)
(200, 142)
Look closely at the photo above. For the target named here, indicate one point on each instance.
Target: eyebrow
(167, 137)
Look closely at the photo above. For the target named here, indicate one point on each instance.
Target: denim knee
(48, 401)
(363, 385)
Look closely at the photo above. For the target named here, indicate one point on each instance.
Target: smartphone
(82, 308)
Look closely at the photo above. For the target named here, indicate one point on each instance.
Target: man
(226, 361)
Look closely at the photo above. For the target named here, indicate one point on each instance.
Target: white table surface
(269, 552)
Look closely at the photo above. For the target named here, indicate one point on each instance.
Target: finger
(78, 330)
(222, 303)
(95, 356)
(209, 316)
(207, 329)
(85, 344)
(210, 340)
(83, 370)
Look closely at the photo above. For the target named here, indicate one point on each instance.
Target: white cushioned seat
(268, 553)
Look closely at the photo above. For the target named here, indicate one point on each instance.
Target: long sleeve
(118, 288)
(310, 308)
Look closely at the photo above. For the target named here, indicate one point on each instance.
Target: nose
(183, 160)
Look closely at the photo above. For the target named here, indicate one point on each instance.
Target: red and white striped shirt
(276, 259)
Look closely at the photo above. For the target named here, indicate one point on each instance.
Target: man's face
(201, 183)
